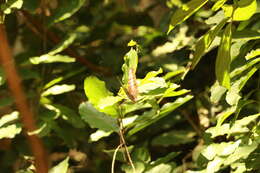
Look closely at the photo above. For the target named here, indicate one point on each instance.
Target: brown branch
(27, 117)
(38, 29)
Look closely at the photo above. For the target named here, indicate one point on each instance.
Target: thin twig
(121, 134)
(114, 158)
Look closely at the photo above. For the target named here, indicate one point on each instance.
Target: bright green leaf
(224, 115)
(8, 118)
(100, 97)
(184, 13)
(223, 58)
(59, 89)
(162, 168)
(216, 92)
(66, 10)
(62, 167)
(174, 137)
(98, 135)
(218, 5)
(233, 96)
(97, 119)
(46, 58)
(10, 131)
(11, 5)
(2, 76)
(252, 54)
(245, 10)
(152, 116)
(204, 43)
(151, 84)
(243, 68)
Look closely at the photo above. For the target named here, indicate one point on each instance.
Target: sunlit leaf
(98, 95)
(218, 4)
(59, 89)
(62, 167)
(97, 119)
(252, 54)
(185, 12)
(224, 115)
(216, 92)
(98, 135)
(8, 118)
(10, 131)
(152, 84)
(233, 96)
(242, 152)
(152, 116)
(214, 165)
(245, 10)
(51, 59)
(246, 35)
(66, 10)
(239, 126)
(10, 5)
(163, 168)
(244, 67)
(223, 58)
(204, 43)
(2, 76)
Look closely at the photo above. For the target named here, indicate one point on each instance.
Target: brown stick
(27, 117)
(38, 29)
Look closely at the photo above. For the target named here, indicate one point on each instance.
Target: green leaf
(165, 159)
(243, 68)
(152, 84)
(162, 168)
(174, 137)
(245, 10)
(246, 35)
(70, 116)
(131, 61)
(2, 76)
(218, 5)
(62, 167)
(97, 119)
(8, 118)
(98, 135)
(233, 96)
(204, 43)
(242, 152)
(252, 54)
(239, 126)
(66, 10)
(216, 92)
(10, 5)
(214, 165)
(51, 59)
(10, 131)
(100, 97)
(6, 130)
(59, 89)
(223, 58)
(224, 115)
(153, 115)
(185, 12)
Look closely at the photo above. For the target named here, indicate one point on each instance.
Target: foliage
(178, 79)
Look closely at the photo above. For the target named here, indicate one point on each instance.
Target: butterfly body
(132, 90)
